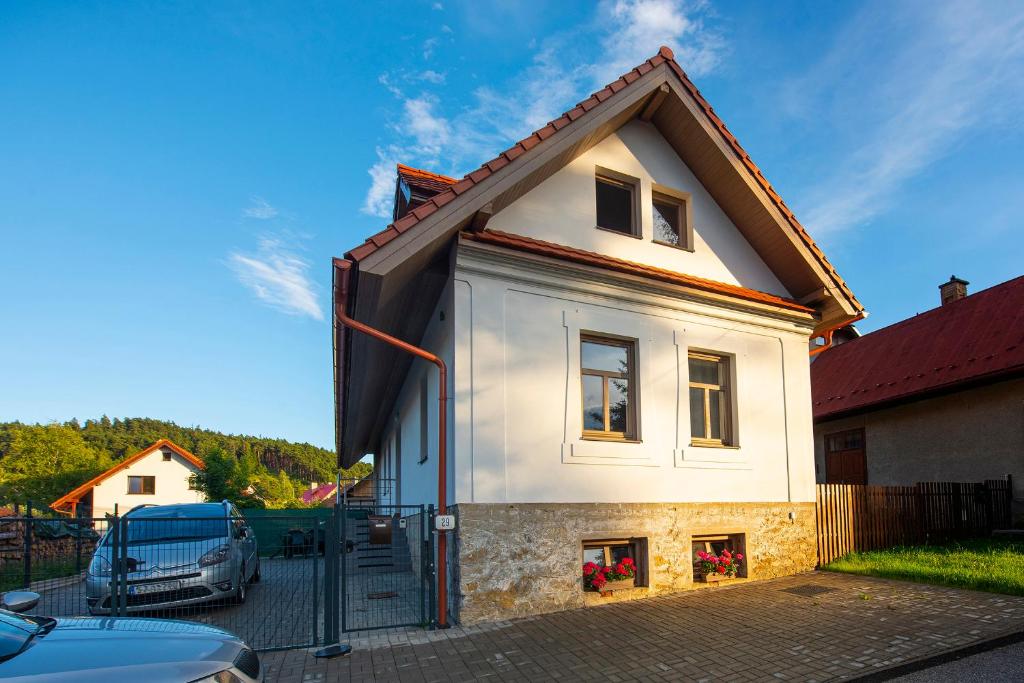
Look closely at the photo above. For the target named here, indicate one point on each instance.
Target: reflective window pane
(619, 553)
(618, 404)
(697, 413)
(666, 222)
(595, 555)
(614, 206)
(593, 403)
(703, 371)
(604, 357)
(716, 401)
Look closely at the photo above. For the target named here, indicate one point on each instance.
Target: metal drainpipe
(344, 266)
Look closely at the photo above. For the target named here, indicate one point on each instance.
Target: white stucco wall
(171, 485)
(400, 447)
(562, 209)
(518, 405)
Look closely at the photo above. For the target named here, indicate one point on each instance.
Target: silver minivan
(177, 555)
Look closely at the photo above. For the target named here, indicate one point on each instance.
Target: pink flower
(739, 556)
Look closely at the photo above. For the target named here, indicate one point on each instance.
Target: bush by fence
(853, 517)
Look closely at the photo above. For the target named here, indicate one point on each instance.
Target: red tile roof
(977, 338)
(75, 495)
(431, 182)
(509, 156)
(589, 258)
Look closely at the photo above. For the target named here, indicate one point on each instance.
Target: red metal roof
(509, 156)
(552, 250)
(977, 338)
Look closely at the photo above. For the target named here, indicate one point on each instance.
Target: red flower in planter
(589, 568)
(598, 582)
(721, 569)
(628, 561)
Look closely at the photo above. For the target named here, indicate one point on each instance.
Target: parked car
(90, 650)
(177, 555)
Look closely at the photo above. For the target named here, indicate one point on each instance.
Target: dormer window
(670, 211)
(617, 201)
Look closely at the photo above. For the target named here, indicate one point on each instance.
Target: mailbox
(380, 529)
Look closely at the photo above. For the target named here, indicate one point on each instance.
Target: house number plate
(444, 522)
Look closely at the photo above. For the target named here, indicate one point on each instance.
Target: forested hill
(121, 438)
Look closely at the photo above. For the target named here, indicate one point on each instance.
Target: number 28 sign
(444, 522)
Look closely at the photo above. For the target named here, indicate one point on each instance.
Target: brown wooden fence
(852, 517)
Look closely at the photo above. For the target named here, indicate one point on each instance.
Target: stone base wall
(513, 560)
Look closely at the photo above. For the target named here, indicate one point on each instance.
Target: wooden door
(845, 457)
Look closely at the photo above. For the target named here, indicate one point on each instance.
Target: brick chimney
(954, 290)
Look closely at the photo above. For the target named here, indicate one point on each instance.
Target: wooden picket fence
(853, 517)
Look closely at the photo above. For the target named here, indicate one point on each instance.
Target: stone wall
(523, 559)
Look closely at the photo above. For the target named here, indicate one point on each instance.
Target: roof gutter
(827, 334)
(342, 274)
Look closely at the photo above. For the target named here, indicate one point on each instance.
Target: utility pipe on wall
(343, 269)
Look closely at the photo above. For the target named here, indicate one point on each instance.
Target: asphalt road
(1002, 664)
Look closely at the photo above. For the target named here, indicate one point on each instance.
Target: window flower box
(715, 568)
(605, 579)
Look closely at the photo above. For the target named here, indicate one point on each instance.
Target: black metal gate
(386, 566)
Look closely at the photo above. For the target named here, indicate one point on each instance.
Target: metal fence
(277, 578)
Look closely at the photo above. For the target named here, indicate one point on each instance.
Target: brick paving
(813, 627)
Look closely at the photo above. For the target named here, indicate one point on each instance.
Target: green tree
(43, 462)
(223, 479)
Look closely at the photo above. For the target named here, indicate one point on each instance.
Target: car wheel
(240, 593)
(256, 574)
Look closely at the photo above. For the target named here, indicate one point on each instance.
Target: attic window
(167, 456)
(671, 216)
(616, 203)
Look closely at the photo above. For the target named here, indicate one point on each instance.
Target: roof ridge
(419, 172)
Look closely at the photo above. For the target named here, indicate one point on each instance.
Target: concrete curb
(1009, 638)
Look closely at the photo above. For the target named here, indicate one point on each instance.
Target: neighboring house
(624, 305)
(936, 397)
(160, 474)
(354, 491)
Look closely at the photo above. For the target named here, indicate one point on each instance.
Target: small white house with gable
(624, 305)
(160, 474)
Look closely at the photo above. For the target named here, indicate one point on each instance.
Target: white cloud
(429, 130)
(428, 47)
(260, 209)
(382, 184)
(437, 6)
(278, 277)
(638, 27)
(432, 76)
(901, 90)
(564, 69)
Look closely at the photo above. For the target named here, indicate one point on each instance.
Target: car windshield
(16, 632)
(169, 529)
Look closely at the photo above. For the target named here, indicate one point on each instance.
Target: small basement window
(141, 485)
(716, 543)
(609, 552)
(616, 204)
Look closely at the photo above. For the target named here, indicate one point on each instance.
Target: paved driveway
(813, 627)
(278, 612)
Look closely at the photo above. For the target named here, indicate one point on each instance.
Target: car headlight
(220, 677)
(215, 556)
(99, 566)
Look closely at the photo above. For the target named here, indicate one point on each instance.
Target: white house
(624, 305)
(160, 474)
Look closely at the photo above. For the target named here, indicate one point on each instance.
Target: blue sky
(174, 178)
